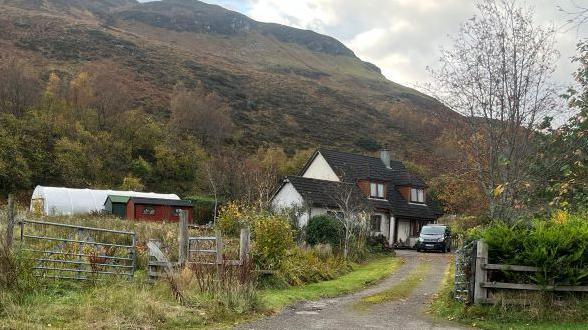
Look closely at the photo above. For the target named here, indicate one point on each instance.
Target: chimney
(385, 155)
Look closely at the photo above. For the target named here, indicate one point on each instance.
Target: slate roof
(322, 192)
(352, 167)
(160, 201)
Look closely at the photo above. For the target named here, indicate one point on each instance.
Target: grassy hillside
(287, 87)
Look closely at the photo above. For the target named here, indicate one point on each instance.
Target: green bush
(324, 229)
(559, 247)
(272, 238)
(306, 266)
(203, 209)
(232, 218)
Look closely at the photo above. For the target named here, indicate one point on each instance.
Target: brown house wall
(364, 186)
(405, 192)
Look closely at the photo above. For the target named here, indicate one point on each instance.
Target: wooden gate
(64, 251)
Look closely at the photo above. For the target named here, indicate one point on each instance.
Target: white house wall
(384, 225)
(289, 197)
(320, 169)
(403, 231)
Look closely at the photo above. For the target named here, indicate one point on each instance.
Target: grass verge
(399, 291)
(542, 314)
(362, 275)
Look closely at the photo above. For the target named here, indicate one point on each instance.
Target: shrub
(378, 243)
(306, 266)
(232, 218)
(324, 229)
(559, 247)
(203, 209)
(272, 238)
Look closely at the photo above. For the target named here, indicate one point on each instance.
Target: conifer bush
(324, 229)
(558, 246)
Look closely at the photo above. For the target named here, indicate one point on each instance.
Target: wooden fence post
(10, 226)
(183, 238)
(481, 276)
(244, 247)
(219, 253)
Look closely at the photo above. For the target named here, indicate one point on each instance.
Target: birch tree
(353, 212)
(497, 74)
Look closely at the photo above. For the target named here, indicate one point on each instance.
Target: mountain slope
(286, 86)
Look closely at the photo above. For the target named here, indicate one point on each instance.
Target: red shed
(155, 209)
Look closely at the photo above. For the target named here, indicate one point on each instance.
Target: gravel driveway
(339, 313)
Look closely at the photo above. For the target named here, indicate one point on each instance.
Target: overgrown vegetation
(541, 311)
(324, 229)
(280, 272)
(558, 246)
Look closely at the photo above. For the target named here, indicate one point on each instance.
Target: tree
(497, 74)
(110, 95)
(561, 165)
(353, 212)
(201, 113)
(19, 87)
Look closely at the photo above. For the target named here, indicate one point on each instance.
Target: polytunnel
(70, 201)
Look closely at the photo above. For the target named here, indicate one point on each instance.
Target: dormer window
(376, 190)
(417, 195)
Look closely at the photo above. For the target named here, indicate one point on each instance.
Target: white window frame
(376, 190)
(379, 220)
(417, 195)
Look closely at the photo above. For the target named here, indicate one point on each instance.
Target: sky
(402, 37)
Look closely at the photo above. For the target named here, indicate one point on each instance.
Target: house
(72, 201)
(150, 209)
(398, 201)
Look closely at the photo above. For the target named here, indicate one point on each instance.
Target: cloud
(402, 37)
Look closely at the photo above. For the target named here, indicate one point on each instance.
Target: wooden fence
(197, 250)
(483, 288)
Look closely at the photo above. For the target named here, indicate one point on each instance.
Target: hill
(287, 87)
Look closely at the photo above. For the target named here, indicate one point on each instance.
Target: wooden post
(219, 253)
(480, 293)
(183, 238)
(10, 226)
(244, 246)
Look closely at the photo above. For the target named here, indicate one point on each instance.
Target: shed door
(119, 210)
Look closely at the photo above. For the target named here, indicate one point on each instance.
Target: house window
(335, 214)
(376, 223)
(148, 210)
(417, 195)
(376, 190)
(176, 212)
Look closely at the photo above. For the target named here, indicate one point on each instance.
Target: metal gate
(75, 252)
(463, 281)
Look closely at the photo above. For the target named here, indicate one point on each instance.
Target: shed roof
(70, 201)
(161, 201)
(117, 199)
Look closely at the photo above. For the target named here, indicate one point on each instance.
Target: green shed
(117, 205)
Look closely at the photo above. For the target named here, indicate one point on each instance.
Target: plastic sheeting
(70, 201)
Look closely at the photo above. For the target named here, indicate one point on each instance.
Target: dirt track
(340, 313)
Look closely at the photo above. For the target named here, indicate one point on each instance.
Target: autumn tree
(19, 86)
(560, 169)
(201, 113)
(497, 74)
(110, 95)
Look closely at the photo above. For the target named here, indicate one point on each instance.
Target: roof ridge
(347, 153)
